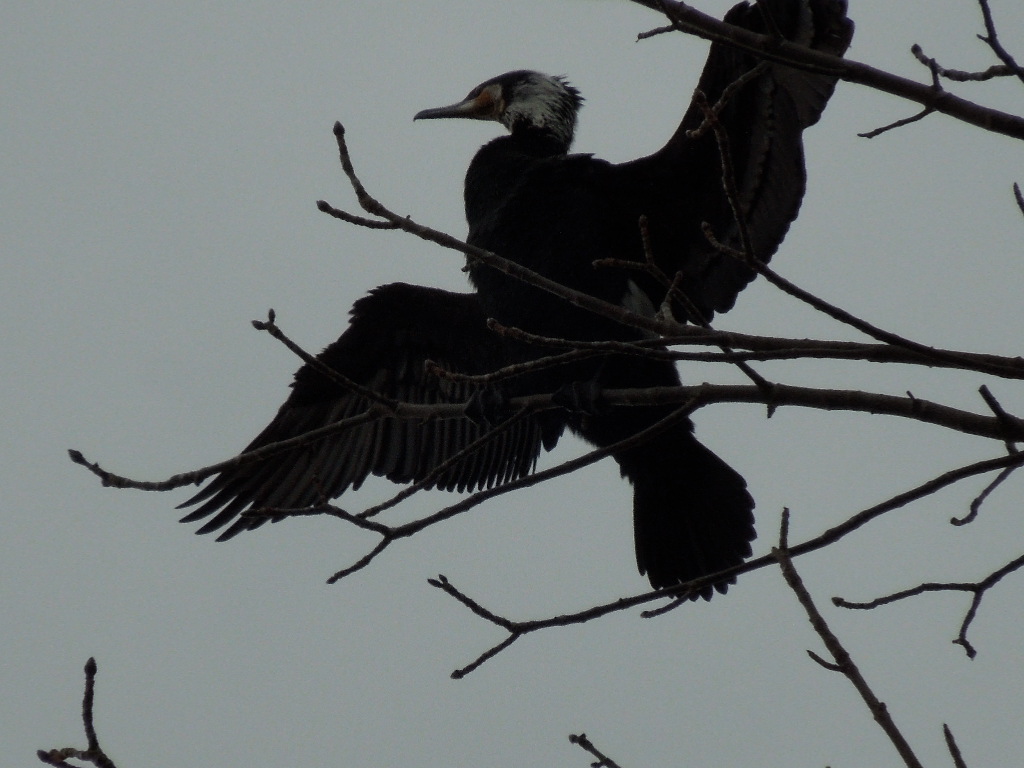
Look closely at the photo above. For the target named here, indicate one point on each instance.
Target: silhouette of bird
(530, 201)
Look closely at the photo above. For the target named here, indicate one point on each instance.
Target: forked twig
(843, 661)
(93, 753)
(517, 629)
(977, 588)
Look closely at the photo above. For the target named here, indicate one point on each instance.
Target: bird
(530, 200)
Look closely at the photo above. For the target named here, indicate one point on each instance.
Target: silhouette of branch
(954, 750)
(386, 407)
(392, 533)
(996, 427)
(843, 661)
(711, 114)
(992, 39)
(896, 124)
(93, 753)
(405, 223)
(958, 75)
(841, 315)
(936, 85)
(517, 629)
(769, 47)
(270, 326)
(660, 326)
(977, 588)
(603, 761)
(975, 506)
(761, 348)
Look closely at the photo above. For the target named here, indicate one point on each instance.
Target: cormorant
(530, 201)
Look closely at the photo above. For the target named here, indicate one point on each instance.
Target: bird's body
(530, 201)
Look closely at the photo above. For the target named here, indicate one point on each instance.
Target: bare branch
(957, 75)
(992, 39)
(1003, 416)
(517, 629)
(732, 195)
(93, 753)
(762, 348)
(897, 124)
(350, 218)
(195, 477)
(711, 113)
(843, 661)
(473, 253)
(603, 761)
(661, 326)
(830, 666)
(975, 506)
(977, 588)
(833, 311)
(768, 47)
(699, 396)
(270, 326)
(391, 533)
(954, 750)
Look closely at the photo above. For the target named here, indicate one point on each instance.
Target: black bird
(530, 201)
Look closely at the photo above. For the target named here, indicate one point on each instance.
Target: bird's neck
(500, 165)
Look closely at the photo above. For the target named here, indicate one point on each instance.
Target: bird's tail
(692, 513)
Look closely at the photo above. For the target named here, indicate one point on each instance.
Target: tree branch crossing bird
(531, 201)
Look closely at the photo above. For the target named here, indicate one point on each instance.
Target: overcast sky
(161, 166)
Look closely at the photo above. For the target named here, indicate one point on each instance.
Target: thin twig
(93, 753)
(360, 221)
(897, 124)
(977, 588)
(977, 501)
(692, 21)
(619, 314)
(711, 115)
(829, 537)
(392, 533)
(842, 657)
(732, 195)
(1005, 418)
(603, 761)
(836, 313)
(992, 39)
(698, 396)
(473, 253)
(270, 326)
(954, 750)
(959, 75)
(762, 348)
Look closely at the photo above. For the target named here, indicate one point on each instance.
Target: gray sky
(162, 161)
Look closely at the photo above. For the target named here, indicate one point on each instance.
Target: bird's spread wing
(764, 118)
(393, 331)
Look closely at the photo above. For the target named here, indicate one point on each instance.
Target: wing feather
(764, 119)
(392, 332)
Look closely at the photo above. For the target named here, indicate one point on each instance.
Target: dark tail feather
(692, 514)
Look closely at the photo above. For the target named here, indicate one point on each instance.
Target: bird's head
(522, 101)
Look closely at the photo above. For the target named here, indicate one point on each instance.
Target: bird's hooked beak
(483, 104)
